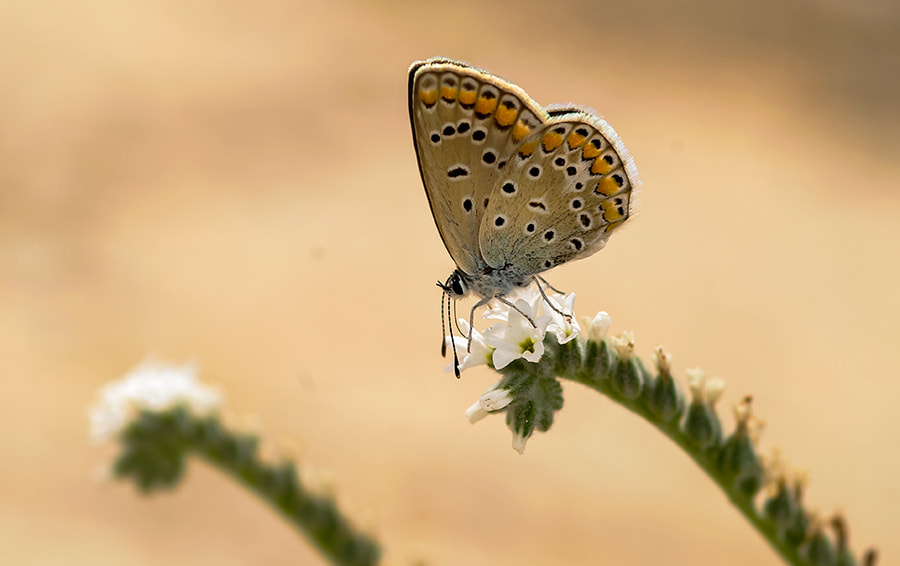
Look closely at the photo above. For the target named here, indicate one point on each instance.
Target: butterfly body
(489, 283)
(515, 189)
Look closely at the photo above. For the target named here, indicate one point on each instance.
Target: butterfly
(515, 189)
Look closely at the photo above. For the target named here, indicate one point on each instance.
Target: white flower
(704, 390)
(496, 399)
(493, 400)
(599, 326)
(476, 412)
(476, 354)
(518, 442)
(517, 338)
(152, 386)
(566, 329)
(623, 345)
(498, 310)
(662, 360)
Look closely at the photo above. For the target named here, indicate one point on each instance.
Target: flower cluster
(152, 386)
(519, 332)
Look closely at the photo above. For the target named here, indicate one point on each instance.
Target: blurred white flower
(518, 442)
(152, 386)
(662, 360)
(704, 390)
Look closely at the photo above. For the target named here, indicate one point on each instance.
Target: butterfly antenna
(455, 356)
(445, 327)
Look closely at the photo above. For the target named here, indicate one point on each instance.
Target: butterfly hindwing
(567, 186)
(467, 126)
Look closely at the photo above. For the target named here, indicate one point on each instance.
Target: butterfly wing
(466, 127)
(568, 185)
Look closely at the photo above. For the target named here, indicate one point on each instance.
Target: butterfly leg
(517, 309)
(548, 285)
(480, 303)
(547, 299)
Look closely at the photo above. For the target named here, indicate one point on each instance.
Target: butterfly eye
(457, 286)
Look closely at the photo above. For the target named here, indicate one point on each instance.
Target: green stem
(732, 462)
(708, 464)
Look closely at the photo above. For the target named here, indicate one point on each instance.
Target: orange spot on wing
(485, 105)
(449, 93)
(590, 151)
(467, 97)
(600, 166)
(527, 148)
(614, 225)
(428, 97)
(575, 140)
(520, 131)
(551, 141)
(610, 211)
(505, 116)
(607, 186)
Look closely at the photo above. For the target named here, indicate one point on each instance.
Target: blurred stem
(154, 450)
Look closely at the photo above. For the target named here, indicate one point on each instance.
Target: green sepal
(819, 550)
(628, 378)
(702, 426)
(780, 508)
(598, 359)
(739, 463)
(665, 399)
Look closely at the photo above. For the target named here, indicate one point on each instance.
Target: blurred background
(234, 184)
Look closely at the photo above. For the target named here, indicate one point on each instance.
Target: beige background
(234, 183)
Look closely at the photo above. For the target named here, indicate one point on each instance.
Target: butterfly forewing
(567, 186)
(467, 126)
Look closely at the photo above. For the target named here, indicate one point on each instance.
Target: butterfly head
(455, 286)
